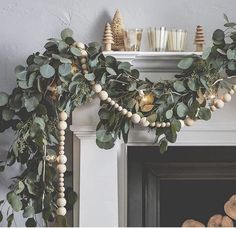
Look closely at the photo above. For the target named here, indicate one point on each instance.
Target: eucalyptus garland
(69, 74)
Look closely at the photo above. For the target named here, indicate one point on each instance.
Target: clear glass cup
(177, 40)
(157, 39)
(132, 39)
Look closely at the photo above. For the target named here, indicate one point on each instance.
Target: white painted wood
(152, 61)
(102, 175)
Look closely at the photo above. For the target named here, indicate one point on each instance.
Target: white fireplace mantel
(100, 176)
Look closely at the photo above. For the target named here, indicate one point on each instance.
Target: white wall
(26, 24)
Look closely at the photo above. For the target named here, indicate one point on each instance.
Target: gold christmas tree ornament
(108, 38)
(117, 27)
(199, 38)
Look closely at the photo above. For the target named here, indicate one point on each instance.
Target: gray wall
(26, 24)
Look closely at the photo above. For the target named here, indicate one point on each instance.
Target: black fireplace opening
(185, 182)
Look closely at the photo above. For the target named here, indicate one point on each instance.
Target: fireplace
(186, 182)
(101, 177)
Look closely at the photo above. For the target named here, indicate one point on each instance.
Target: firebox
(185, 182)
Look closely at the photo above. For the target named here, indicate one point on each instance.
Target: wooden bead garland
(61, 167)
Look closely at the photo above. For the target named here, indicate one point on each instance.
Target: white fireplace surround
(100, 176)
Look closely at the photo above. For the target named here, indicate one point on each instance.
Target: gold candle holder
(132, 39)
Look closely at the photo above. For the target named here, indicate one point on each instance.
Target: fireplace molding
(100, 176)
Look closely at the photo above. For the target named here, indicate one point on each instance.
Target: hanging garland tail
(69, 74)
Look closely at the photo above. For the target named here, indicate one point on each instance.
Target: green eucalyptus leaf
(230, 24)
(10, 219)
(104, 114)
(62, 59)
(232, 65)
(204, 113)
(62, 46)
(31, 103)
(192, 84)
(30, 222)
(3, 98)
(66, 33)
(104, 136)
(90, 76)
(75, 51)
(177, 125)
(20, 72)
(218, 37)
(206, 53)
(28, 212)
(169, 114)
(182, 110)
(179, 86)
(7, 114)
(1, 216)
(185, 63)
(152, 118)
(14, 200)
(231, 54)
(20, 187)
(110, 71)
(47, 71)
(124, 66)
(40, 121)
(64, 69)
(105, 145)
(163, 145)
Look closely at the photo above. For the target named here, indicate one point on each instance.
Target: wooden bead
(61, 168)
(62, 189)
(62, 125)
(231, 92)
(124, 111)
(213, 108)
(84, 53)
(62, 159)
(146, 124)
(97, 88)
(116, 106)
(227, 98)
(61, 175)
(62, 132)
(84, 67)
(61, 147)
(163, 124)
(112, 102)
(120, 108)
(61, 211)
(143, 121)
(61, 143)
(83, 61)
(63, 116)
(158, 124)
(135, 118)
(85, 71)
(108, 99)
(61, 179)
(168, 124)
(234, 87)
(92, 83)
(62, 138)
(103, 95)
(188, 121)
(61, 184)
(80, 45)
(129, 114)
(61, 152)
(61, 195)
(61, 202)
(153, 124)
(219, 103)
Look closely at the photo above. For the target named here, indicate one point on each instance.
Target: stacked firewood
(218, 220)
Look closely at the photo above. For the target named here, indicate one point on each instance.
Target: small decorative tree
(117, 27)
(199, 38)
(108, 38)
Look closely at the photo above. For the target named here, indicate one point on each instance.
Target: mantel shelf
(152, 61)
